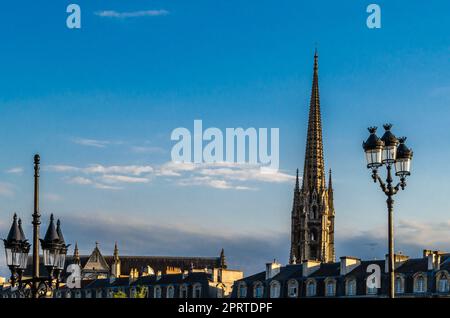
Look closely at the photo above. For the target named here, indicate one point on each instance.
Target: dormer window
(292, 289)
(443, 283)
(311, 288)
(330, 288)
(242, 290)
(419, 284)
(351, 287)
(275, 289)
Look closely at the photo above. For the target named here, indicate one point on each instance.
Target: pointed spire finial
(316, 60)
(223, 262)
(116, 251)
(76, 254)
(297, 182)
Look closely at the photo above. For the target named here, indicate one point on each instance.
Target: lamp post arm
(376, 178)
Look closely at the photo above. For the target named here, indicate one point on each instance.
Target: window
(311, 288)
(183, 291)
(419, 284)
(399, 285)
(292, 288)
(242, 290)
(351, 287)
(372, 290)
(330, 288)
(197, 291)
(275, 289)
(314, 215)
(170, 292)
(157, 292)
(443, 284)
(258, 290)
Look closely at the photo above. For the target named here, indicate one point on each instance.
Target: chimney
(158, 275)
(348, 263)
(272, 269)
(309, 267)
(399, 259)
(426, 253)
(434, 260)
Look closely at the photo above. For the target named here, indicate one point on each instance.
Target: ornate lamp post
(17, 249)
(388, 151)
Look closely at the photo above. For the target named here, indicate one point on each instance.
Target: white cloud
(130, 169)
(15, 170)
(131, 14)
(101, 169)
(114, 178)
(79, 180)
(91, 142)
(147, 149)
(221, 175)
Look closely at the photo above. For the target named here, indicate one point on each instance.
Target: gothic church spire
(313, 172)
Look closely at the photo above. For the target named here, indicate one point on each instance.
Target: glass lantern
(403, 162)
(389, 152)
(373, 148)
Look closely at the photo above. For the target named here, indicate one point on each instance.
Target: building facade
(144, 277)
(428, 276)
(312, 233)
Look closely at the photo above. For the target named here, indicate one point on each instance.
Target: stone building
(106, 276)
(428, 276)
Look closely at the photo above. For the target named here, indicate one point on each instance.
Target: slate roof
(288, 272)
(413, 265)
(361, 270)
(253, 278)
(327, 270)
(157, 263)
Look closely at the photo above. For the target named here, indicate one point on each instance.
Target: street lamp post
(388, 151)
(17, 249)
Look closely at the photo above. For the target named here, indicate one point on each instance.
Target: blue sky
(99, 105)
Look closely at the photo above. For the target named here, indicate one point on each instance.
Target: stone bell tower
(312, 234)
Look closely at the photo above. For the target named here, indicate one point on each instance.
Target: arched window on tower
(314, 215)
(313, 235)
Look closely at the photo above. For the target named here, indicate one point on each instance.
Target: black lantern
(63, 247)
(51, 247)
(373, 148)
(403, 160)
(25, 248)
(16, 249)
(390, 145)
